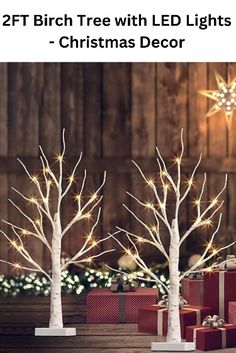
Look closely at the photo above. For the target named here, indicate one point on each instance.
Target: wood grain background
(113, 113)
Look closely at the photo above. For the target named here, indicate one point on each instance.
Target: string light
(208, 222)
(150, 182)
(148, 205)
(34, 178)
(59, 158)
(37, 221)
(94, 197)
(77, 197)
(197, 202)
(190, 182)
(177, 160)
(46, 170)
(94, 243)
(140, 240)
(33, 200)
(24, 232)
(71, 178)
(17, 266)
(88, 216)
(214, 201)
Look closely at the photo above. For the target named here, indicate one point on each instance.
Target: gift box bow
(164, 302)
(213, 322)
(196, 275)
(225, 264)
(119, 284)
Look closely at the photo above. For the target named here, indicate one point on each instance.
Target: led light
(17, 266)
(59, 158)
(24, 231)
(89, 259)
(177, 160)
(33, 200)
(94, 243)
(94, 197)
(77, 197)
(197, 202)
(71, 178)
(149, 205)
(214, 201)
(140, 240)
(208, 222)
(190, 182)
(34, 178)
(88, 216)
(150, 182)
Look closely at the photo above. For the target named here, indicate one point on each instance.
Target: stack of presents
(207, 314)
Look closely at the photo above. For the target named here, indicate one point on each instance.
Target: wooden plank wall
(114, 112)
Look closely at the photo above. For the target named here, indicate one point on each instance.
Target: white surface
(175, 347)
(46, 331)
(31, 43)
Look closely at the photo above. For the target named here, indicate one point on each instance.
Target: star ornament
(224, 97)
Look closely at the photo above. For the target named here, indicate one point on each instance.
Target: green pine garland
(72, 283)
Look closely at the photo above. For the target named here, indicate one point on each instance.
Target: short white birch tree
(160, 212)
(55, 183)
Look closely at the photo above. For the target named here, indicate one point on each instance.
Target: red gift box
(193, 291)
(232, 313)
(207, 338)
(104, 306)
(219, 290)
(154, 319)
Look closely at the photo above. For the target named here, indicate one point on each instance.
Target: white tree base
(172, 346)
(47, 331)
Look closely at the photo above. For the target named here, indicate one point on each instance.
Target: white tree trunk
(173, 333)
(56, 320)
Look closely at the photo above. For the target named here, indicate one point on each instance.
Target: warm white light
(149, 205)
(94, 197)
(150, 182)
(33, 200)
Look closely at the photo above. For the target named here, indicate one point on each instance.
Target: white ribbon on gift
(222, 294)
(223, 334)
(160, 318)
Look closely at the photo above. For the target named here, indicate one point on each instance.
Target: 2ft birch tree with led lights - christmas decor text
(48, 212)
(205, 213)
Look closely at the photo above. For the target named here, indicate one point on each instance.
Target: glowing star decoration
(224, 97)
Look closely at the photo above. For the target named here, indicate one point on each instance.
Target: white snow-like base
(47, 331)
(175, 347)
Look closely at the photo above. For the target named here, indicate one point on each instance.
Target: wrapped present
(105, 306)
(154, 319)
(120, 284)
(193, 290)
(232, 313)
(212, 334)
(219, 290)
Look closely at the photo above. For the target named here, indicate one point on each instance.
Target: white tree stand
(173, 346)
(47, 331)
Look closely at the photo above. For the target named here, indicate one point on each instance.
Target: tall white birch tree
(54, 183)
(204, 216)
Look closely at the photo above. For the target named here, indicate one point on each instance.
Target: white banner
(121, 30)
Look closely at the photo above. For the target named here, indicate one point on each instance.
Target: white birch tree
(204, 216)
(55, 183)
